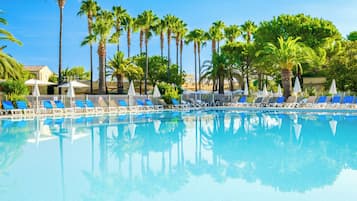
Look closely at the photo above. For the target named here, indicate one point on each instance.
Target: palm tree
(138, 25)
(147, 21)
(61, 6)
(129, 26)
(101, 32)
(232, 32)
(170, 22)
(89, 8)
(287, 55)
(248, 29)
(119, 68)
(215, 34)
(9, 67)
(6, 35)
(217, 70)
(196, 36)
(119, 14)
(160, 29)
(179, 31)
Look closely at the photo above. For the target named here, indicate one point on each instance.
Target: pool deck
(231, 108)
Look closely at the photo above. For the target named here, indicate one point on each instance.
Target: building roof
(35, 68)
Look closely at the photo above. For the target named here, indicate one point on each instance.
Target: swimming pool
(193, 155)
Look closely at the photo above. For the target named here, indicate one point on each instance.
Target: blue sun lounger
(22, 105)
(8, 107)
(321, 101)
(150, 104)
(60, 105)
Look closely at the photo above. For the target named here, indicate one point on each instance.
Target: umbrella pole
(37, 104)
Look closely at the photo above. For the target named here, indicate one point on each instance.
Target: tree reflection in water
(163, 152)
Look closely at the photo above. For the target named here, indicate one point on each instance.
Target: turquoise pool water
(199, 155)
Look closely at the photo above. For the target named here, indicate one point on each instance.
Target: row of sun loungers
(87, 106)
(80, 106)
(294, 102)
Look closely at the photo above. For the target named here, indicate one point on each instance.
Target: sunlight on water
(198, 155)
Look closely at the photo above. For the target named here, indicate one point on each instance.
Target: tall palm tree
(139, 25)
(101, 31)
(248, 29)
(119, 68)
(89, 8)
(170, 21)
(195, 36)
(179, 31)
(61, 4)
(147, 20)
(160, 29)
(287, 55)
(119, 14)
(232, 32)
(215, 34)
(129, 26)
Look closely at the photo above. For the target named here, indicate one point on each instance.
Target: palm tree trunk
(141, 41)
(221, 84)
(181, 49)
(120, 84)
(90, 19)
(147, 63)
(168, 53)
(286, 81)
(199, 64)
(231, 81)
(162, 44)
(128, 34)
(60, 51)
(213, 46)
(177, 50)
(101, 54)
(91, 67)
(195, 54)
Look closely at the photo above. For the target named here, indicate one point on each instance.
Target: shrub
(168, 92)
(15, 90)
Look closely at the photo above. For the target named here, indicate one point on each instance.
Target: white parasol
(297, 87)
(333, 89)
(246, 88)
(156, 92)
(131, 91)
(279, 91)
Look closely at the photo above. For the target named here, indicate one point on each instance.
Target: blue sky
(35, 23)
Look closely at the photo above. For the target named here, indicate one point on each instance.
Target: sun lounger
(48, 107)
(335, 101)
(60, 105)
(8, 107)
(150, 104)
(321, 101)
(176, 104)
(90, 106)
(257, 101)
(123, 105)
(141, 105)
(279, 102)
(242, 101)
(347, 101)
(22, 105)
(80, 106)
